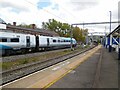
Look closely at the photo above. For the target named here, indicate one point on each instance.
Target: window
(58, 40)
(3, 39)
(28, 40)
(14, 40)
(54, 40)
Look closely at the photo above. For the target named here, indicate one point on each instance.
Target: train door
(37, 42)
(48, 42)
(27, 41)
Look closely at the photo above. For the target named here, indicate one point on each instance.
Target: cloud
(83, 4)
(70, 11)
(119, 11)
(13, 7)
(55, 7)
(115, 15)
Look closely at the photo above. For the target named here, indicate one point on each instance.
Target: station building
(112, 41)
(17, 29)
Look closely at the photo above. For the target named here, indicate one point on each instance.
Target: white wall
(116, 47)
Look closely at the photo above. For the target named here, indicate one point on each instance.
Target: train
(11, 42)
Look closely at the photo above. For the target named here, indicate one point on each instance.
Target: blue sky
(42, 4)
(47, 3)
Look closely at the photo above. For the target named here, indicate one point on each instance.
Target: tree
(64, 29)
(44, 26)
(26, 26)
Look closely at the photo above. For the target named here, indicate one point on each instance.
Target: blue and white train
(16, 42)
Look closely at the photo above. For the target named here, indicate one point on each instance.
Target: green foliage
(64, 29)
(26, 26)
(78, 34)
(18, 62)
(25, 61)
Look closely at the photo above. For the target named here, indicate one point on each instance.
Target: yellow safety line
(47, 86)
(51, 83)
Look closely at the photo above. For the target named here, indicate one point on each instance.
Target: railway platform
(99, 71)
(96, 68)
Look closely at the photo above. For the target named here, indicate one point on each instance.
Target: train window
(14, 40)
(62, 40)
(67, 40)
(54, 40)
(58, 40)
(18, 36)
(3, 40)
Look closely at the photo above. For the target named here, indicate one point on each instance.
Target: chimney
(14, 23)
(33, 26)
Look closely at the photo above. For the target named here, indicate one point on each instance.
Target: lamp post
(110, 19)
(71, 38)
(105, 38)
(119, 47)
(110, 44)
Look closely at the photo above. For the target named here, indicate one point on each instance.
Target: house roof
(31, 31)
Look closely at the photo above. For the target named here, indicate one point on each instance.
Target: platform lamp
(71, 32)
(119, 30)
(110, 45)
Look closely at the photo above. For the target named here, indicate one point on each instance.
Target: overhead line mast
(96, 23)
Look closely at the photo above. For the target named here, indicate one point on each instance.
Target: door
(37, 43)
(48, 42)
(27, 41)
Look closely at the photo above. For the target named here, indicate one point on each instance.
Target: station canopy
(115, 32)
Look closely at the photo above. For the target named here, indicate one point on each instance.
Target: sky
(65, 11)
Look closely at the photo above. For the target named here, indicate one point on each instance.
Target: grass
(18, 62)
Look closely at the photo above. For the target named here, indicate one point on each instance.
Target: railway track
(16, 73)
(21, 56)
(31, 54)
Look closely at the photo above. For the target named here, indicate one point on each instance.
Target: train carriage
(15, 42)
(11, 42)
